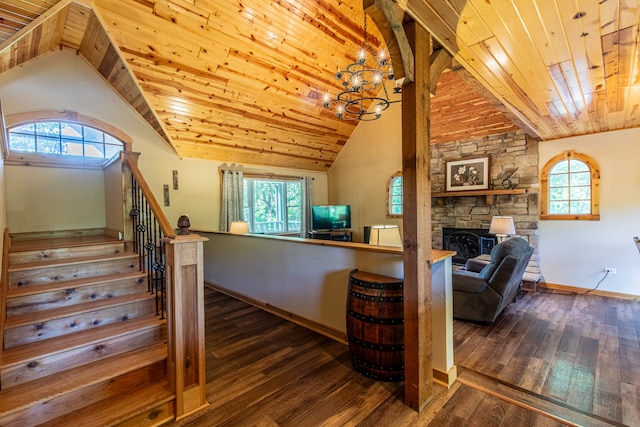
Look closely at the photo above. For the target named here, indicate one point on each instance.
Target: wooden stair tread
(41, 391)
(57, 313)
(71, 261)
(59, 242)
(69, 284)
(39, 349)
(115, 410)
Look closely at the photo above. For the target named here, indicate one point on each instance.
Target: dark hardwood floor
(548, 360)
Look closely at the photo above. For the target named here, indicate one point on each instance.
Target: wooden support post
(417, 225)
(185, 323)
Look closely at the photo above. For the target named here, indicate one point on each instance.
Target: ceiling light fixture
(365, 95)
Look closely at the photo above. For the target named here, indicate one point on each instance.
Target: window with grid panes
(570, 188)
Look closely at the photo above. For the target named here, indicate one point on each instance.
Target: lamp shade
(502, 225)
(239, 227)
(385, 235)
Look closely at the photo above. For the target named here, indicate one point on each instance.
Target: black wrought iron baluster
(148, 245)
(135, 216)
(158, 268)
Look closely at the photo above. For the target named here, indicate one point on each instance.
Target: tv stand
(335, 235)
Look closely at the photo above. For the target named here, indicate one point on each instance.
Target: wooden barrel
(375, 325)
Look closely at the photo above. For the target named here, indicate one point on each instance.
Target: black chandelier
(365, 95)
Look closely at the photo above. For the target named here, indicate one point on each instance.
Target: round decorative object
(183, 225)
(507, 184)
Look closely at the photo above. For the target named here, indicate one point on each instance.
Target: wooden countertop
(437, 255)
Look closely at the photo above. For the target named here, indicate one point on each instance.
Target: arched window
(570, 188)
(394, 196)
(51, 139)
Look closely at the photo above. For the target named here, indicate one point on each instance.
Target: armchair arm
(475, 265)
(467, 281)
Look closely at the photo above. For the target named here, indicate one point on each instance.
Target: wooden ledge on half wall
(437, 255)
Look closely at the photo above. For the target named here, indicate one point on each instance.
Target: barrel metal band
(375, 298)
(376, 285)
(376, 320)
(397, 368)
(375, 345)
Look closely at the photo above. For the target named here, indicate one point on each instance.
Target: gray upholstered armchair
(484, 288)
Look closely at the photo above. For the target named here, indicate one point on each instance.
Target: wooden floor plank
(544, 362)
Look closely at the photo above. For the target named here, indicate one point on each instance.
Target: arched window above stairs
(64, 139)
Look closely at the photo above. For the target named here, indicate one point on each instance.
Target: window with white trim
(272, 206)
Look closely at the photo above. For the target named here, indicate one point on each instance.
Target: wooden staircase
(82, 344)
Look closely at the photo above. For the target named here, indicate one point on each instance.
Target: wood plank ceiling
(242, 81)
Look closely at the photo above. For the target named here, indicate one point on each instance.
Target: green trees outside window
(272, 206)
(395, 196)
(570, 188)
(63, 139)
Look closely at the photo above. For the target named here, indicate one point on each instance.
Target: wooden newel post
(185, 320)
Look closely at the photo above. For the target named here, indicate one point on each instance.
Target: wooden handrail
(166, 228)
(4, 287)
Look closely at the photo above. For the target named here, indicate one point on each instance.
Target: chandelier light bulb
(326, 101)
(362, 56)
(382, 58)
(356, 83)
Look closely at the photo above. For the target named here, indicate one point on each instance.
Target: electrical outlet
(610, 270)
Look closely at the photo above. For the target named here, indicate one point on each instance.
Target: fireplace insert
(467, 242)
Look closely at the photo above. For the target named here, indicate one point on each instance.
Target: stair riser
(34, 369)
(66, 253)
(45, 275)
(67, 297)
(158, 416)
(79, 398)
(24, 334)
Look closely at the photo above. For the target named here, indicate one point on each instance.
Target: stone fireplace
(511, 155)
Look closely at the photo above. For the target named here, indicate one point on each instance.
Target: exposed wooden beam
(417, 224)
(439, 61)
(388, 18)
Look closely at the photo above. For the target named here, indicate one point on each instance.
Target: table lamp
(239, 227)
(502, 226)
(385, 235)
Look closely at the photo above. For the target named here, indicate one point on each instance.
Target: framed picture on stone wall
(468, 174)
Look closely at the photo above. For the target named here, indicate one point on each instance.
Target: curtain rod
(254, 173)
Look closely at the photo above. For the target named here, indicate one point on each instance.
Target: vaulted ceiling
(242, 81)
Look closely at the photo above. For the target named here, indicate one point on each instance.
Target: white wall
(48, 199)
(574, 253)
(360, 174)
(307, 279)
(64, 81)
(3, 217)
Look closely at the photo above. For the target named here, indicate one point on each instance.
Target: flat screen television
(332, 217)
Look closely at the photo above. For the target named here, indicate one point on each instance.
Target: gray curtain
(307, 202)
(231, 204)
